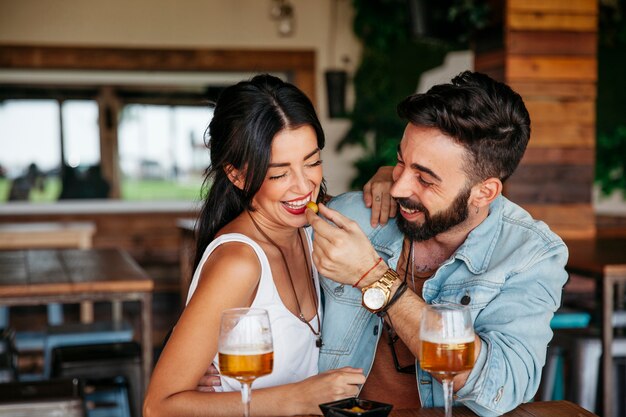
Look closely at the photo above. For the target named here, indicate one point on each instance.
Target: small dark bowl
(342, 408)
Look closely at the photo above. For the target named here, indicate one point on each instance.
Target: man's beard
(455, 214)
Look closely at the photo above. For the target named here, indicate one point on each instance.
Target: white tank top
(295, 353)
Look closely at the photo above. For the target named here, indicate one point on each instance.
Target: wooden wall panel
(547, 136)
(567, 220)
(490, 63)
(565, 156)
(541, 21)
(554, 6)
(558, 43)
(555, 89)
(551, 68)
(550, 58)
(561, 111)
(551, 184)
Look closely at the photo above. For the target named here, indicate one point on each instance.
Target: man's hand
(209, 380)
(341, 251)
(376, 195)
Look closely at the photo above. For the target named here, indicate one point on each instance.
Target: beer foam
(436, 338)
(247, 350)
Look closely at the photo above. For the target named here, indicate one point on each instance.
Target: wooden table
(535, 409)
(602, 259)
(36, 277)
(51, 235)
(39, 235)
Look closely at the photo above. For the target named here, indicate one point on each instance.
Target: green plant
(611, 103)
(611, 161)
(391, 64)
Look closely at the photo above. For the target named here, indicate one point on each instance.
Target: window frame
(299, 65)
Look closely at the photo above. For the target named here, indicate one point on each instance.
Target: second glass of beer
(447, 339)
(245, 348)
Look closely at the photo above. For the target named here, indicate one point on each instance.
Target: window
(162, 152)
(38, 151)
(51, 150)
(31, 151)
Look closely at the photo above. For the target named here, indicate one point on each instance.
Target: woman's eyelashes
(278, 176)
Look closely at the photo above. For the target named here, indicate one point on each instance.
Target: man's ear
(235, 176)
(485, 192)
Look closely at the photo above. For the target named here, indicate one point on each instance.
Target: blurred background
(104, 105)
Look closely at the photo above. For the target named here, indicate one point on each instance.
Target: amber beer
(447, 357)
(246, 366)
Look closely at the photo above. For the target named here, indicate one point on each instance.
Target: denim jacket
(511, 267)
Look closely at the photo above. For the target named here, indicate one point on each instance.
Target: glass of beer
(447, 344)
(245, 348)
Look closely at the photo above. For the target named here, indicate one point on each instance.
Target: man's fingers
(385, 204)
(375, 216)
(320, 226)
(210, 380)
(367, 194)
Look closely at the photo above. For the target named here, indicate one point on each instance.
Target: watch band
(388, 278)
(401, 290)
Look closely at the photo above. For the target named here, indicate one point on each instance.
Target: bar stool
(552, 386)
(78, 334)
(104, 362)
(580, 350)
(33, 340)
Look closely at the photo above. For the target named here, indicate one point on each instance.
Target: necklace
(412, 253)
(300, 316)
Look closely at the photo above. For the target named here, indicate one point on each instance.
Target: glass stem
(447, 395)
(245, 398)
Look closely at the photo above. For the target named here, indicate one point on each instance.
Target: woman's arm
(229, 279)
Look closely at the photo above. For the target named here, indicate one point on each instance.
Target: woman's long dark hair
(247, 116)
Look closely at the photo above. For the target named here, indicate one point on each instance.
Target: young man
(456, 240)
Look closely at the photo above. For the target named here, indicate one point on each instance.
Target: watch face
(374, 298)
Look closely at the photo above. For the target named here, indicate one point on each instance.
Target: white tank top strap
(233, 237)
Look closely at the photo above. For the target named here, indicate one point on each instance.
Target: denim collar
(475, 252)
(477, 249)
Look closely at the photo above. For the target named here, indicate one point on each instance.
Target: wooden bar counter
(536, 409)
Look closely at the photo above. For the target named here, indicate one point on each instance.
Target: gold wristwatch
(376, 295)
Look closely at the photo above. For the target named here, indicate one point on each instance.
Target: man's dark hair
(485, 116)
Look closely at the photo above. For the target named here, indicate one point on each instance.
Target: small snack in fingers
(313, 206)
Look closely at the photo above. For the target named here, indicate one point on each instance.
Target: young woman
(254, 251)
